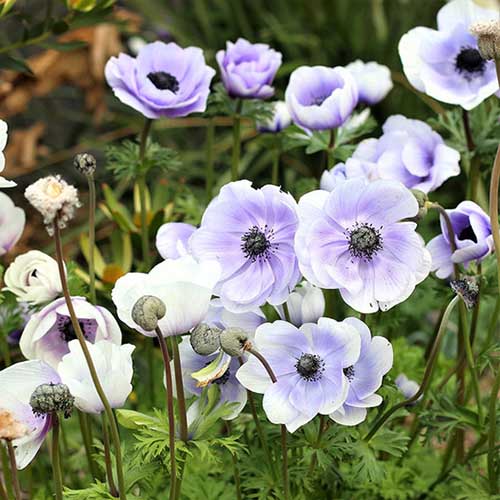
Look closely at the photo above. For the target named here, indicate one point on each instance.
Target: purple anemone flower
(48, 332)
(164, 80)
(473, 239)
(446, 63)
(333, 177)
(321, 98)
(18, 383)
(364, 376)
(353, 239)
(248, 69)
(172, 239)
(250, 233)
(373, 80)
(309, 365)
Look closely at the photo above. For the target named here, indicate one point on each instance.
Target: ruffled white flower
(53, 196)
(113, 364)
(4, 183)
(33, 277)
(12, 220)
(373, 80)
(306, 304)
(183, 285)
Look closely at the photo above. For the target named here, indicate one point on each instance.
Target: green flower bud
(422, 200)
(85, 163)
(52, 398)
(147, 311)
(234, 341)
(205, 339)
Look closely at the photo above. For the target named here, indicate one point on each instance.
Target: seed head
(52, 398)
(488, 38)
(205, 339)
(85, 163)
(468, 291)
(234, 341)
(147, 311)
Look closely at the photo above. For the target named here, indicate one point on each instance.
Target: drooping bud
(468, 291)
(234, 341)
(147, 311)
(205, 339)
(85, 163)
(488, 38)
(52, 398)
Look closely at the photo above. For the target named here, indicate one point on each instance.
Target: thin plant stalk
(284, 450)
(107, 458)
(13, 470)
(236, 470)
(86, 432)
(88, 358)
(92, 209)
(4, 459)
(210, 159)
(170, 411)
(3, 491)
(235, 161)
(56, 457)
(492, 436)
(495, 228)
(474, 173)
(141, 184)
(179, 384)
(427, 374)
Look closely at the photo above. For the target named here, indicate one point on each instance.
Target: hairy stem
(56, 457)
(13, 471)
(86, 431)
(179, 384)
(235, 162)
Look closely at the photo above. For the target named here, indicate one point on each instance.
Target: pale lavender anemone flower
(309, 365)
(248, 69)
(365, 376)
(12, 221)
(250, 233)
(408, 151)
(172, 239)
(333, 177)
(407, 387)
(446, 63)
(373, 80)
(353, 239)
(48, 332)
(18, 383)
(473, 239)
(321, 98)
(281, 119)
(306, 304)
(164, 80)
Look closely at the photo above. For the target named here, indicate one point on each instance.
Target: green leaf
(135, 420)
(389, 441)
(14, 64)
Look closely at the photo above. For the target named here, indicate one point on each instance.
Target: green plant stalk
(92, 210)
(3, 491)
(495, 228)
(314, 459)
(429, 369)
(210, 160)
(236, 470)
(107, 458)
(492, 436)
(86, 432)
(276, 166)
(474, 173)
(56, 457)
(235, 161)
(141, 184)
(170, 412)
(181, 398)
(181, 477)
(13, 471)
(88, 358)
(6, 471)
(284, 447)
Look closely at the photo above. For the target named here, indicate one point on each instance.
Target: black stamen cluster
(364, 241)
(164, 81)
(256, 243)
(310, 367)
(349, 373)
(469, 62)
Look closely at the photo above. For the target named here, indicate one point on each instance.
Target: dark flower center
(164, 81)
(319, 100)
(256, 243)
(67, 332)
(310, 367)
(364, 241)
(349, 373)
(469, 62)
(467, 233)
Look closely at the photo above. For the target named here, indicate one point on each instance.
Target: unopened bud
(422, 200)
(52, 398)
(85, 163)
(147, 311)
(488, 38)
(468, 291)
(234, 341)
(205, 339)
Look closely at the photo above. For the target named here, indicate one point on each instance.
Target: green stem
(141, 184)
(427, 374)
(13, 471)
(6, 471)
(88, 358)
(3, 491)
(56, 457)
(492, 328)
(474, 173)
(150, 355)
(92, 208)
(86, 432)
(181, 477)
(495, 228)
(276, 166)
(236, 470)
(314, 459)
(179, 385)
(492, 436)
(210, 159)
(107, 458)
(170, 412)
(235, 163)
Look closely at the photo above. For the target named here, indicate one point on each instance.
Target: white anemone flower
(4, 183)
(12, 220)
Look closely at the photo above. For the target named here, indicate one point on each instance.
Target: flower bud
(468, 291)
(147, 311)
(234, 341)
(205, 339)
(52, 398)
(422, 200)
(488, 38)
(85, 163)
